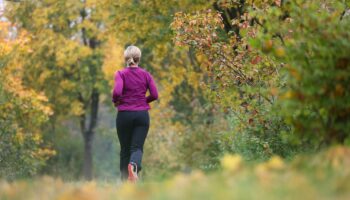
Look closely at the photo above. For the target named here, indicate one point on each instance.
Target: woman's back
(131, 85)
(129, 94)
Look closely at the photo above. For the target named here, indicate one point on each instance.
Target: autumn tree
(66, 58)
(23, 111)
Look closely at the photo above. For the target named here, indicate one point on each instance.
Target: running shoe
(132, 169)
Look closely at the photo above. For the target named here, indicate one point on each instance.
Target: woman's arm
(153, 92)
(118, 87)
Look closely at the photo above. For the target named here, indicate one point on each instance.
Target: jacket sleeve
(118, 87)
(153, 92)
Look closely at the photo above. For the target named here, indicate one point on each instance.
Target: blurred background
(258, 79)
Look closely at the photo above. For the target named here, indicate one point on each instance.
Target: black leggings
(132, 129)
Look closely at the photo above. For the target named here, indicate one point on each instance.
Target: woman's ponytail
(132, 55)
(130, 61)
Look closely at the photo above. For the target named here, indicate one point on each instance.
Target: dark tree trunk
(87, 167)
(89, 132)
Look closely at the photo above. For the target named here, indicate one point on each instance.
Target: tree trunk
(88, 134)
(87, 168)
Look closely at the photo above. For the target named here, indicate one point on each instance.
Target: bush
(314, 46)
(260, 142)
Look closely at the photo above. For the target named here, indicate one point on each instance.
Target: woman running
(129, 96)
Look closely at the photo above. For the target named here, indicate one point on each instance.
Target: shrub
(312, 40)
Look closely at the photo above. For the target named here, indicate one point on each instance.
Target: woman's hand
(117, 103)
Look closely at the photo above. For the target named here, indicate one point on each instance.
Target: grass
(322, 176)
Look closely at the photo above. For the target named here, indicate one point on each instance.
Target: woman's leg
(139, 134)
(124, 130)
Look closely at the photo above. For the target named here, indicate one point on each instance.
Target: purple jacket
(130, 87)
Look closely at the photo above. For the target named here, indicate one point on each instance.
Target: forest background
(258, 79)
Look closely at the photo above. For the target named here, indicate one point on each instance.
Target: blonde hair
(132, 55)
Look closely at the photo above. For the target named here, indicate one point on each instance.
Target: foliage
(314, 48)
(259, 60)
(22, 113)
(324, 176)
(239, 78)
(68, 46)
